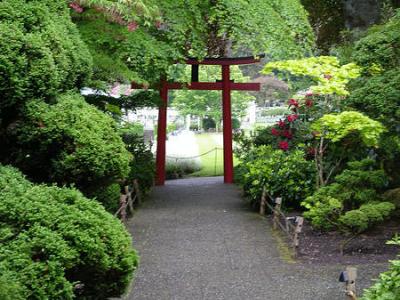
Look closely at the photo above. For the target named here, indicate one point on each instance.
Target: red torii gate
(226, 85)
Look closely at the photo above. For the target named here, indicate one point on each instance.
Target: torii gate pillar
(162, 134)
(227, 124)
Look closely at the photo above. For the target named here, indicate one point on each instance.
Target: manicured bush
(41, 52)
(69, 142)
(56, 244)
(284, 174)
(353, 202)
(9, 289)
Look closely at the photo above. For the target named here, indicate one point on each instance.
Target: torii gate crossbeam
(226, 86)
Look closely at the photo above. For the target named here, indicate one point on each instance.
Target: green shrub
(9, 289)
(208, 123)
(387, 286)
(56, 244)
(378, 97)
(142, 167)
(393, 196)
(175, 169)
(359, 220)
(380, 47)
(69, 142)
(284, 174)
(353, 202)
(41, 51)
(108, 196)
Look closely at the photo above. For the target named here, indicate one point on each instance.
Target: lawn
(213, 162)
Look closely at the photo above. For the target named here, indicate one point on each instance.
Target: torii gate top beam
(247, 60)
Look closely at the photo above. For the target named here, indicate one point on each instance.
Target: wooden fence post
(297, 231)
(122, 201)
(128, 193)
(263, 201)
(351, 283)
(277, 210)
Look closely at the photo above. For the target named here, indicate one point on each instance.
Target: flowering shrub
(288, 175)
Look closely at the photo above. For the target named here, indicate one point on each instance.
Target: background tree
(207, 104)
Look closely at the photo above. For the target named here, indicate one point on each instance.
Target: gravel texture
(198, 240)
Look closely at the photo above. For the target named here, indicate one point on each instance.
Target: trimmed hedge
(41, 52)
(69, 142)
(56, 244)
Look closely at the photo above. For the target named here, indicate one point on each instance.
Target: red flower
(309, 102)
(287, 134)
(281, 124)
(275, 132)
(292, 118)
(284, 145)
(309, 93)
(293, 102)
(132, 26)
(76, 7)
(311, 151)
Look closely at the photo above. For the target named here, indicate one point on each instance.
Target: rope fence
(197, 156)
(215, 150)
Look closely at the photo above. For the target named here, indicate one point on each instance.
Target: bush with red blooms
(294, 129)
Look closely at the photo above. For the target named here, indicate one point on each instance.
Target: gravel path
(197, 240)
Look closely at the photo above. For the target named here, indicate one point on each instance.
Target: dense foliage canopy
(193, 29)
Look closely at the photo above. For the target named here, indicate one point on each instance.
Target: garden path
(197, 240)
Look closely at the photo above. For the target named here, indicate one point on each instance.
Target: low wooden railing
(291, 226)
(128, 198)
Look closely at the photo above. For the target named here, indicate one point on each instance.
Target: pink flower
(309, 93)
(115, 90)
(281, 124)
(132, 26)
(158, 24)
(327, 76)
(292, 118)
(293, 102)
(275, 132)
(284, 145)
(76, 7)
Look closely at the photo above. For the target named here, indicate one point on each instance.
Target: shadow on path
(197, 240)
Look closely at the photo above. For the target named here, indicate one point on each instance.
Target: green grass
(212, 164)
